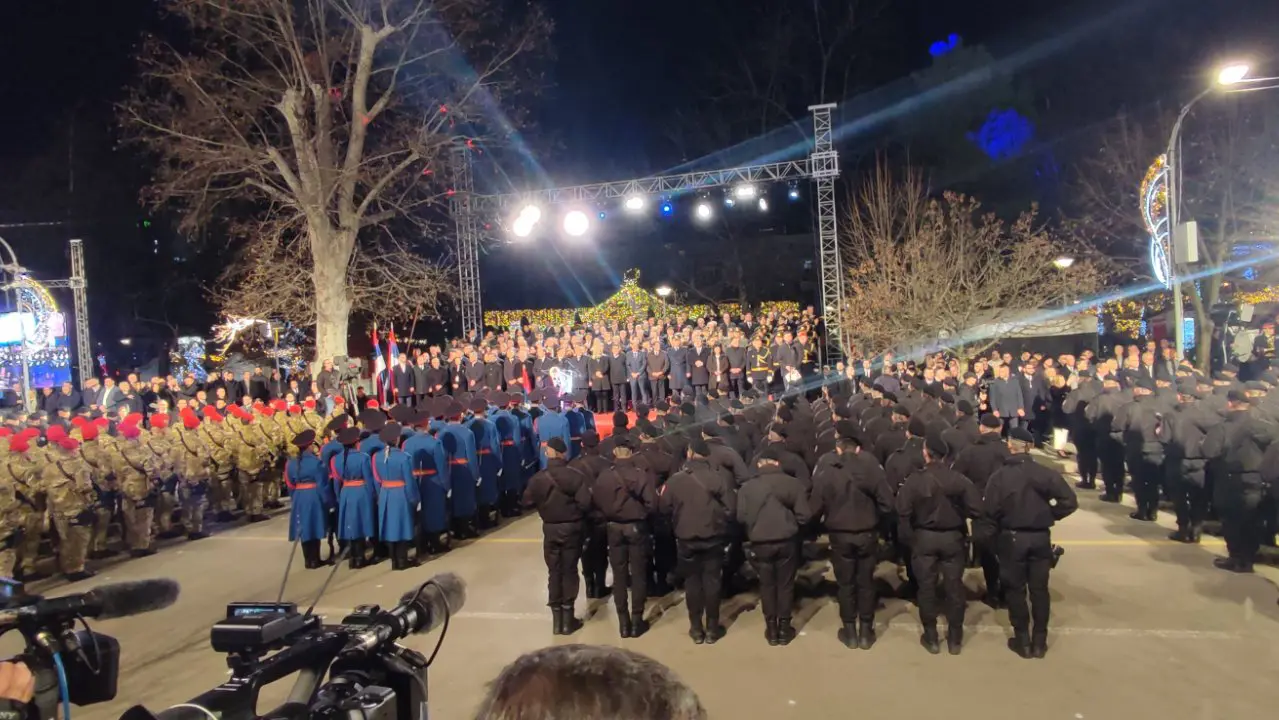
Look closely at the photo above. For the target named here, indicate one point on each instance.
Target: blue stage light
(603, 214)
(793, 194)
(667, 208)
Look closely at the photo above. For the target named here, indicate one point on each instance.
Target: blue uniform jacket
(488, 451)
(357, 500)
(331, 448)
(509, 438)
(549, 425)
(397, 495)
(464, 467)
(431, 468)
(312, 496)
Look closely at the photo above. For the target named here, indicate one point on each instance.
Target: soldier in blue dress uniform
(431, 470)
(397, 496)
(459, 448)
(357, 499)
(306, 478)
(488, 451)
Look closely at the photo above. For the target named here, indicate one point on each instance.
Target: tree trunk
(332, 305)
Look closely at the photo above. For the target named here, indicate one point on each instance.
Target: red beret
(268, 412)
(55, 432)
(159, 421)
(279, 405)
(30, 433)
(89, 431)
(339, 400)
(295, 410)
(78, 420)
(69, 444)
(132, 419)
(130, 431)
(373, 405)
(214, 416)
(5, 432)
(19, 444)
(309, 404)
(190, 422)
(102, 422)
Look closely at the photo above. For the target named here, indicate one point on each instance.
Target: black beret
(390, 434)
(902, 410)
(965, 407)
(890, 397)
(936, 446)
(846, 428)
(304, 439)
(781, 430)
(931, 390)
(1237, 396)
(1268, 378)
(500, 398)
(557, 444)
(624, 440)
(620, 420)
(590, 439)
(917, 427)
(946, 397)
(1230, 368)
(1255, 385)
(687, 409)
(699, 447)
(843, 411)
(641, 410)
(349, 436)
(1021, 434)
(991, 421)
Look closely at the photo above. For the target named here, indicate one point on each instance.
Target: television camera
(370, 676)
(69, 665)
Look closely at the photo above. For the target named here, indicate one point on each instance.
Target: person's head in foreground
(588, 682)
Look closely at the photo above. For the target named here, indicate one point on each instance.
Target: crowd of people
(925, 464)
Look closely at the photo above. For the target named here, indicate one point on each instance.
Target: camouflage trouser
(101, 527)
(271, 487)
(222, 492)
(252, 488)
(9, 555)
(33, 526)
(73, 544)
(194, 502)
(138, 515)
(165, 504)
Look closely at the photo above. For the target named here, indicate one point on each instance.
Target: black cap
(372, 420)
(687, 409)
(662, 406)
(337, 423)
(620, 420)
(699, 447)
(648, 430)
(1255, 385)
(902, 410)
(1230, 368)
(479, 405)
(917, 427)
(1021, 434)
(846, 428)
(557, 444)
(304, 439)
(349, 436)
(936, 446)
(1144, 382)
(624, 440)
(736, 404)
(946, 397)
(1237, 396)
(965, 407)
(991, 421)
(590, 439)
(390, 434)
(401, 414)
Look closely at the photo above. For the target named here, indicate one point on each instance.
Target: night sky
(623, 75)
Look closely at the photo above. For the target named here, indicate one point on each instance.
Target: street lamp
(1064, 262)
(663, 292)
(1227, 77)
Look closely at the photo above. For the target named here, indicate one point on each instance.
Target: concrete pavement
(1143, 627)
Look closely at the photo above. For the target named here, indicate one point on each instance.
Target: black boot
(955, 639)
(1234, 565)
(770, 630)
(356, 559)
(785, 633)
(848, 635)
(624, 628)
(557, 617)
(714, 631)
(1020, 644)
(695, 630)
(311, 554)
(866, 633)
(1039, 644)
(639, 625)
(571, 623)
(929, 640)
(1196, 533)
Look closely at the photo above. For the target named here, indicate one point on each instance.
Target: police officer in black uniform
(772, 507)
(595, 531)
(626, 495)
(977, 463)
(701, 502)
(851, 493)
(933, 507)
(562, 497)
(1023, 500)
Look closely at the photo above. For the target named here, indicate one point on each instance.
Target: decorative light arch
(1154, 210)
(36, 298)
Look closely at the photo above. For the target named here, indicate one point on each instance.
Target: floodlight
(744, 191)
(576, 223)
(763, 205)
(1233, 74)
(635, 203)
(532, 213)
(664, 291)
(703, 211)
(522, 227)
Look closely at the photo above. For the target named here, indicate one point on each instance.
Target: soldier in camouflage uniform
(35, 523)
(275, 426)
(217, 437)
(96, 455)
(134, 468)
(194, 465)
(17, 474)
(71, 496)
(313, 419)
(251, 450)
(160, 443)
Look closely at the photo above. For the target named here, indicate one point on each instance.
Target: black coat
(699, 375)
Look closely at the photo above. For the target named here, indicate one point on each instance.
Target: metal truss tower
(824, 167)
(468, 242)
(80, 304)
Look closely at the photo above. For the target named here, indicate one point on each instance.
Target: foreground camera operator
(17, 689)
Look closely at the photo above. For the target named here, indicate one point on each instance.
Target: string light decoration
(631, 303)
(1256, 297)
(280, 342)
(36, 299)
(56, 356)
(1154, 210)
(189, 358)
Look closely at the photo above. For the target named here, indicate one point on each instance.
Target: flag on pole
(392, 356)
(379, 367)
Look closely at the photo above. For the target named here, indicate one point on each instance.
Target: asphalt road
(1142, 627)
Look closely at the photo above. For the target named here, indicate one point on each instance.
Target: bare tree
(321, 127)
(1229, 174)
(925, 271)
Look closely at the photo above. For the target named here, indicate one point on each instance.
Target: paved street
(1142, 628)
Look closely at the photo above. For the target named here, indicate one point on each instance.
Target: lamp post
(1228, 76)
(663, 292)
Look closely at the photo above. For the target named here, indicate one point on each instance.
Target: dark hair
(567, 682)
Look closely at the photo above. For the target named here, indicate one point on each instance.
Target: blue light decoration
(945, 47)
(667, 208)
(1154, 210)
(1250, 273)
(1004, 134)
(189, 358)
(1188, 331)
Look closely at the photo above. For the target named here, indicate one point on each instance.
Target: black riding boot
(311, 554)
(356, 560)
